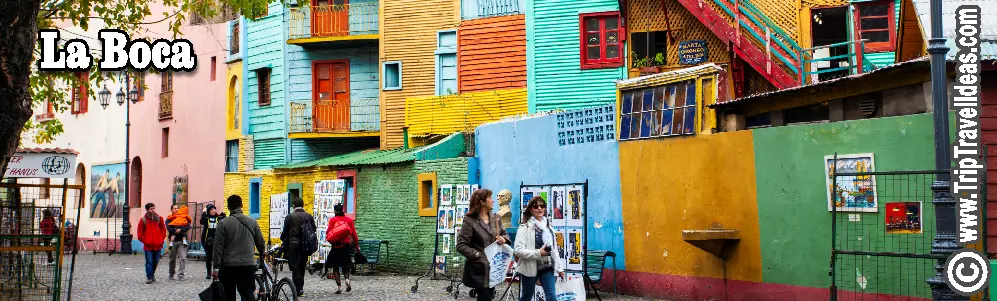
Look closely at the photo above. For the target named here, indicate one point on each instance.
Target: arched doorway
(233, 104)
(81, 179)
(135, 184)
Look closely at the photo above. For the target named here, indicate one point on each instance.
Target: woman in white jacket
(537, 251)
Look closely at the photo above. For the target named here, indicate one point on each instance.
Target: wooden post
(768, 50)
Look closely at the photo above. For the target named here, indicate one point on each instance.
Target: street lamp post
(126, 100)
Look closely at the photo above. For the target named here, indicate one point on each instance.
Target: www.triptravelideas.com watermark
(967, 270)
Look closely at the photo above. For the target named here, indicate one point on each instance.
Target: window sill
(393, 89)
(601, 66)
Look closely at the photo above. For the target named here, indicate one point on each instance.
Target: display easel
(453, 260)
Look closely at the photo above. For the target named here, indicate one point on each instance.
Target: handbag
(358, 258)
(214, 292)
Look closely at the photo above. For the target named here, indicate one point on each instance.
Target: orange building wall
(492, 53)
(709, 182)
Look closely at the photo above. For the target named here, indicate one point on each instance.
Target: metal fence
(33, 265)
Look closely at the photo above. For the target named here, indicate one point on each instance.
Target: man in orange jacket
(152, 233)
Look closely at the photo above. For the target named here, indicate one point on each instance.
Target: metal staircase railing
(776, 42)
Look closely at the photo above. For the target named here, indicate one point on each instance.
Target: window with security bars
(875, 22)
(661, 111)
(601, 40)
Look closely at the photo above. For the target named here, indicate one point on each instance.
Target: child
(179, 220)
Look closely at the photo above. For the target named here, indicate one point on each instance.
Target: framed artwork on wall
(851, 193)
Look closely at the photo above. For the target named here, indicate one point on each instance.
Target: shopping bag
(214, 292)
(570, 290)
(499, 257)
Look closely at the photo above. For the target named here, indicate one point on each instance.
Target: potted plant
(648, 65)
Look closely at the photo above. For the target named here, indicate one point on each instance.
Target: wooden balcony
(335, 118)
(166, 105)
(331, 23)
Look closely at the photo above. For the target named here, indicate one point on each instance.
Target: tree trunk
(19, 21)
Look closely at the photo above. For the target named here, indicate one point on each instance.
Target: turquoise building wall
(554, 76)
(265, 43)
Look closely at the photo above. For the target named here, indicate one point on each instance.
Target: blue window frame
(392, 75)
(254, 197)
(446, 62)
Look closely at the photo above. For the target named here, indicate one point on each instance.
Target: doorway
(829, 26)
(331, 101)
(350, 177)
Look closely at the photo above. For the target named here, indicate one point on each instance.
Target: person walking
(234, 263)
(48, 227)
(152, 233)
(342, 235)
(480, 229)
(178, 223)
(537, 252)
(293, 236)
(209, 219)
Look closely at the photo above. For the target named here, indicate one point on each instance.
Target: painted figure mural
(108, 194)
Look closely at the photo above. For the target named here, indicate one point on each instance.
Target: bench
(371, 249)
(595, 263)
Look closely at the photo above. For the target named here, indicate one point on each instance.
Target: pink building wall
(196, 146)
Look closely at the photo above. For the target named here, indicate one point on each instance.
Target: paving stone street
(122, 277)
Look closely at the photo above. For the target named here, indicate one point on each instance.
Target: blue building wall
(364, 90)
(554, 75)
(265, 42)
(528, 151)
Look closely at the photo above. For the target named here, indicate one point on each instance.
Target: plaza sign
(41, 165)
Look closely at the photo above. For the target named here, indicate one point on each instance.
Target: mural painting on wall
(180, 190)
(328, 193)
(585, 126)
(692, 52)
(903, 218)
(108, 190)
(853, 193)
(568, 203)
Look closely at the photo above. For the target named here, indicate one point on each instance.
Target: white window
(446, 62)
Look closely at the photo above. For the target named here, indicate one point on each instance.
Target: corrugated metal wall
(448, 114)
(268, 153)
(409, 35)
(265, 40)
(555, 78)
(492, 53)
(311, 149)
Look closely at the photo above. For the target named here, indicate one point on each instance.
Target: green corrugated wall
(554, 76)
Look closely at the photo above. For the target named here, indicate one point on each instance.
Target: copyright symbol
(967, 271)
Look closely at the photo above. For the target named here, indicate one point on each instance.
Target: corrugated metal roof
(665, 78)
(41, 150)
(364, 157)
(910, 63)
(988, 24)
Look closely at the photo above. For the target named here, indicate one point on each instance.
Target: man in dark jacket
(234, 262)
(209, 219)
(293, 240)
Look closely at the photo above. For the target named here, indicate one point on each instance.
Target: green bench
(595, 263)
(371, 249)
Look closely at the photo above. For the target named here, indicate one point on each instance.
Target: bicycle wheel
(284, 291)
(263, 288)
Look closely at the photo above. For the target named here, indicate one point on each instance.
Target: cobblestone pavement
(122, 277)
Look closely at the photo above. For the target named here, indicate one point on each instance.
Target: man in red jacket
(152, 233)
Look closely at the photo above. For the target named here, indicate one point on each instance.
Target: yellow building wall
(408, 34)
(271, 184)
(234, 121)
(690, 183)
(460, 112)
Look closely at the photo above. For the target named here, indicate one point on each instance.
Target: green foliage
(128, 15)
(657, 60)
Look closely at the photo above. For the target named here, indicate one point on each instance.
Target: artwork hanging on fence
(574, 250)
(445, 199)
(278, 210)
(329, 193)
(468, 191)
(458, 194)
(459, 216)
(852, 193)
(568, 203)
(440, 265)
(450, 219)
(441, 222)
(447, 241)
(108, 190)
(557, 205)
(903, 218)
(574, 210)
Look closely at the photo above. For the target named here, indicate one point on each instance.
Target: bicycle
(275, 261)
(271, 289)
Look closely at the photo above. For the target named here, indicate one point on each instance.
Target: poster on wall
(108, 190)
(557, 206)
(445, 199)
(566, 207)
(903, 218)
(450, 219)
(467, 193)
(440, 264)
(574, 250)
(853, 193)
(530, 192)
(459, 215)
(458, 194)
(573, 211)
(447, 241)
(278, 210)
(441, 220)
(328, 194)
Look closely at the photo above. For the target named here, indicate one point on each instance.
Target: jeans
(208, 258)
(179, 250)
(151, 263)
(547, 281)
(241, 279)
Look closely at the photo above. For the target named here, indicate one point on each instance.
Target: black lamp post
(126, 100)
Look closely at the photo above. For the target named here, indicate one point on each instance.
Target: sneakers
(180, 278)
(208, 276)
(171, 277)
(184, 241)
(148, 281)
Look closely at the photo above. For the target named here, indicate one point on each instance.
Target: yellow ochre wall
(233, 72)
(709, 182)
(408, 34)
(454, 113)
(238, 183)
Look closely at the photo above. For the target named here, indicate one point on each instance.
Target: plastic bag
(499, 257)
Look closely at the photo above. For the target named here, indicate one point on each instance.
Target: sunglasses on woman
(535, 206)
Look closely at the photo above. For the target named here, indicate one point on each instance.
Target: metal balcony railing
(336, 116)
(166, 105)
(851, 63)
(489, 8)
(333, 20)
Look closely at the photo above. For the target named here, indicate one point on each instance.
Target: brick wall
(387, 209)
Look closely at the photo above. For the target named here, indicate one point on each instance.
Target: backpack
(340, 233)
(309, 242)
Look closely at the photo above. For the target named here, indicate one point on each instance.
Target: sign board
(41, 165)
(278, 211)
(692, 52)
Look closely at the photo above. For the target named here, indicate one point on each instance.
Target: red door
(330, 18)
(331, 100)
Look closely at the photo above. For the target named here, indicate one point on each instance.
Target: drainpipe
(405, 136)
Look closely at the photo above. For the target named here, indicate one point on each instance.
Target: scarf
(152, 217)
(547, 235)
